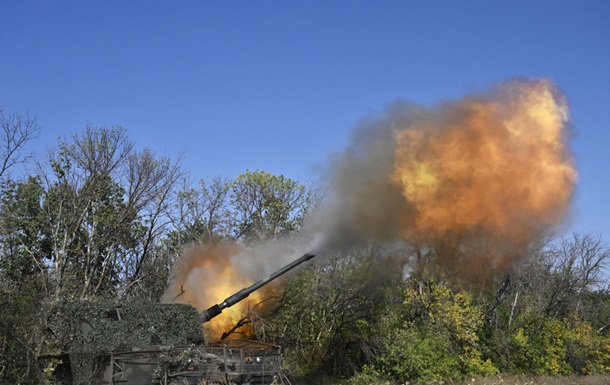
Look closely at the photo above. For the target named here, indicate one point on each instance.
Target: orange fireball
(206, 276)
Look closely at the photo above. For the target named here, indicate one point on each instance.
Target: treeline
(98, 218)
(371, 317)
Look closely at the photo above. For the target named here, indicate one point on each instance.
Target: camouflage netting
(89, 330)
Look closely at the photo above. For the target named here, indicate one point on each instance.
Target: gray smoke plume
(477, 182)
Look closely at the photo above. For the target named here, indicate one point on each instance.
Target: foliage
(22, 284)
(560, 347)
(266, 206)
(202, 214)
(538, 380)
(19, 306)
(587, 350)
(106, 207)
(326, 319)
(533, 318)
(255, 206)
(433, 335)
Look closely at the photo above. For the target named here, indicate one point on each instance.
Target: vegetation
(99, 219)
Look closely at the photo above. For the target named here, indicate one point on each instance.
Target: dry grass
(510, 380)
(529, 380)
(497, 380)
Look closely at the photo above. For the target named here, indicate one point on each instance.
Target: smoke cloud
(476, 183)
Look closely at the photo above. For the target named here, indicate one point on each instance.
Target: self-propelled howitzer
(106, 343)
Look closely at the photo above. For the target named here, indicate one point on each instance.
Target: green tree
(255, 206)
(433, 335)
(106, 207)
(535, 302)
(23, 256)
(327, 317)
(265, 206)
(201, 214)
(86, 226)
(22, 282)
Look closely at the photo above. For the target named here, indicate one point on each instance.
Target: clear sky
(278, 85)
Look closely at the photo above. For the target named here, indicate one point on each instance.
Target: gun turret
(215, 310)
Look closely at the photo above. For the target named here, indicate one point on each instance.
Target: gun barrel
(215, 310)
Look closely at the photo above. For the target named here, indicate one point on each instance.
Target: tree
(255, 206)
(86, 226)
(326, 319)
(433, 335)
(16, 131)
(556, 281)
(23, 253)
(197, 215)
(558, 287)
(577, 269)
(265, 206)
(22, 282)
(106, 205)
(201, 214)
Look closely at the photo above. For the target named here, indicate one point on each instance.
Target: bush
(433, 335)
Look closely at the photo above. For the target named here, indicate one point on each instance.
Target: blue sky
(277, 86)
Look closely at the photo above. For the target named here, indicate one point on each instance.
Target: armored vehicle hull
(225, 362)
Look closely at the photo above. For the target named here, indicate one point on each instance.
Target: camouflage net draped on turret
(89, 330)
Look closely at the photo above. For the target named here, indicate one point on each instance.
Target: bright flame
(206, 277)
